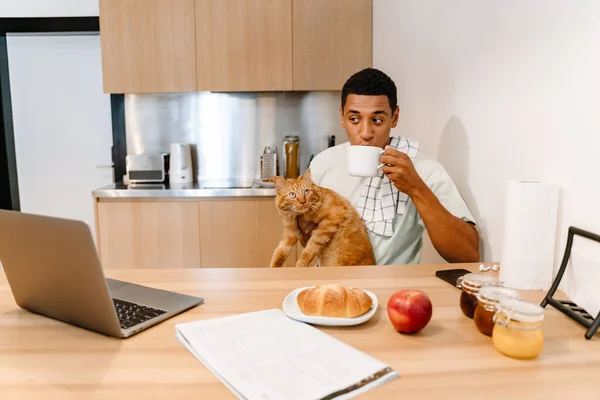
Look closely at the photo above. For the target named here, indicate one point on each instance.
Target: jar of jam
(487, 298)
(470, 285)
(518, 329)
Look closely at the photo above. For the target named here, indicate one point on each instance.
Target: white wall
(48, 8)
(62, 123)
(500, 90)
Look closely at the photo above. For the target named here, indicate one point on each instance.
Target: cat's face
(297, 196)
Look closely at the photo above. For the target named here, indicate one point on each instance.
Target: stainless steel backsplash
(228, 131)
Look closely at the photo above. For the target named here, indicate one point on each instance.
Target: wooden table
(44, 359)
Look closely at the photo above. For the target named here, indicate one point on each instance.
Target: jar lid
(492, 294)
(519, 310)
(477, 280)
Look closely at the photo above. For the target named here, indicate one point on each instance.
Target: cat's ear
(307, 176)
(278, 182)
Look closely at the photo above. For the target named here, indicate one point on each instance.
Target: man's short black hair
(370, 82)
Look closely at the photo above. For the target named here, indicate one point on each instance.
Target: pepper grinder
(331, 141)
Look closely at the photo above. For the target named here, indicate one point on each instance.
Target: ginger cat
(339, 239)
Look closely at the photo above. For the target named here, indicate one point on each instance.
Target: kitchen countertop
(449, 358)
(156, 191)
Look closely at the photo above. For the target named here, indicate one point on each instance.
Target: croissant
(334, 301)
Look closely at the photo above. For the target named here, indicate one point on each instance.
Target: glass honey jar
(470, 285)
(518, 330)
(487, 298)
(291, 156)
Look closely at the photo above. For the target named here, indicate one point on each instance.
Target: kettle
(180, 163)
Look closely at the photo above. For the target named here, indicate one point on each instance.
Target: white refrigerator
(62, 123)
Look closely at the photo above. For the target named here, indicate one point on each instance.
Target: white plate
(290, 307)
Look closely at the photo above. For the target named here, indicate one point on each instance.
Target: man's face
(368, 120)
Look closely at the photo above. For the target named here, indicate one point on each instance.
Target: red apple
(409, 310)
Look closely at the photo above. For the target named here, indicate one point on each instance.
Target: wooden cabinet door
(332, 39)
(244, 45)
(148, 46)
(240, 233)
(139, 234)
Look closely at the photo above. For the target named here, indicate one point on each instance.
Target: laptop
(53, 269)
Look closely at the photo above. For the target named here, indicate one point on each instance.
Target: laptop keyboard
(131, 314)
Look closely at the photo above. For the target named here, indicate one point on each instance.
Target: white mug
(364, 160)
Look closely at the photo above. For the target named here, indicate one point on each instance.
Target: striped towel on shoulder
(380, 201)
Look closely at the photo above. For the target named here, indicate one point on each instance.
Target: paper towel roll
(529, 236)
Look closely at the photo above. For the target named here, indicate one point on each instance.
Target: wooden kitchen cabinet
(148, 234)
(244, 45)
(148, 46)
(240, 233)
(188, 233)
(154, 46)
(332, 40)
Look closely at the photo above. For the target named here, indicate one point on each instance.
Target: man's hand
(306, 228)
(455, 240)
(400, 169)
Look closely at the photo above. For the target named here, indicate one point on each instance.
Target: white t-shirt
(329, 169)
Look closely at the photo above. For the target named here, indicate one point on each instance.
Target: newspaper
(266, 355)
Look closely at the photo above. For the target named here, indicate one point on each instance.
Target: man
(424, 196)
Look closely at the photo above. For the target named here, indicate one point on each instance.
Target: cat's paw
(301, 264)
(278, 259)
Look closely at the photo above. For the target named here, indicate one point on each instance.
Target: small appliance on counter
(145, 168)
(181, 169)
(147, 186)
